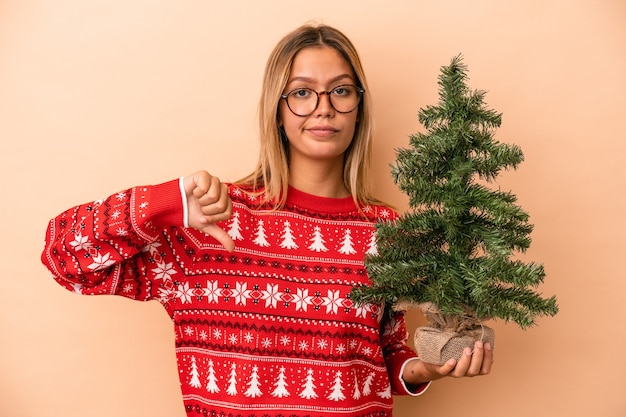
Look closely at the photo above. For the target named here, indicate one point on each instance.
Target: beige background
(99, 95)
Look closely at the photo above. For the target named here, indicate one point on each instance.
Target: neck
(326, 181)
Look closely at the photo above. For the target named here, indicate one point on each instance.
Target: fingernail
(488, 346)
(479, 344)
(468, 351)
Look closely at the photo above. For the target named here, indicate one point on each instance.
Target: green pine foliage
(454, 247)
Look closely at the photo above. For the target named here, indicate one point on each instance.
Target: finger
(487, 360)
(213, 192)
(477, 359)
(447, 367)
(220, 235)
(220, 210)
(463, 363)
(197, 183)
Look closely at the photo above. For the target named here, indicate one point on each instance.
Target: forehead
(318, 64)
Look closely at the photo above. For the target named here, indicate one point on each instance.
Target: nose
(324, 106)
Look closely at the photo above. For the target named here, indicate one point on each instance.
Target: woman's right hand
(208, 202)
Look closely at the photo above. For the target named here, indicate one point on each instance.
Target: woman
(256, 275)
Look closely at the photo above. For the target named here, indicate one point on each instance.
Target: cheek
(290, 123)
(353, 124)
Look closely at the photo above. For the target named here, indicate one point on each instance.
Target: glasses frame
(359, 91)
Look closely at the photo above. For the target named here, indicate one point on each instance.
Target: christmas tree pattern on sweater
(268, 329)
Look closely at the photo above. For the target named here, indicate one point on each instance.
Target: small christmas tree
(451, 253)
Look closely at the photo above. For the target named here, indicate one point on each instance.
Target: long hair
(271, 175)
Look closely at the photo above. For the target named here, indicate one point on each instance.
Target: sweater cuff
(164, 206)
(183, 198)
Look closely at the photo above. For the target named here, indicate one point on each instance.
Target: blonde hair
(272, 171)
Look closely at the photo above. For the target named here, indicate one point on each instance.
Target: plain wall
(97, 96)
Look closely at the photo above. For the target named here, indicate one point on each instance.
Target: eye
(301, 93)
(343, 90)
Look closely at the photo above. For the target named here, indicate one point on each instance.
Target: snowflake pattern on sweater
(267, 330)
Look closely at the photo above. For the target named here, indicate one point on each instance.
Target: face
(325, 134)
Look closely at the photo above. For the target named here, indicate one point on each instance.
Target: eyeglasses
(343, 98)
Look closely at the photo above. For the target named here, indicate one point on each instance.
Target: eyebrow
(312, 80)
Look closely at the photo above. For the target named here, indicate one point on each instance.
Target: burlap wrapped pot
(437, 346)
(448, 335)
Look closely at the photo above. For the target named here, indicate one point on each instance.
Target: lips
(322, 130)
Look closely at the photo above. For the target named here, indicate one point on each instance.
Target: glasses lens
(304, 101)
(344, 98)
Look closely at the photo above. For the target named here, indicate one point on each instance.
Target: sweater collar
(312, 202)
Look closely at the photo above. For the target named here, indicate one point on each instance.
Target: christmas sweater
(266, 330)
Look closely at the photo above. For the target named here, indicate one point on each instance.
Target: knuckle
(220, 206)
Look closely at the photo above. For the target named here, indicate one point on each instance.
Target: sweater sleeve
(102, 247)
(393, 337)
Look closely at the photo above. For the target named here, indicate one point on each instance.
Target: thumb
(447, 367)
(220, 235)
